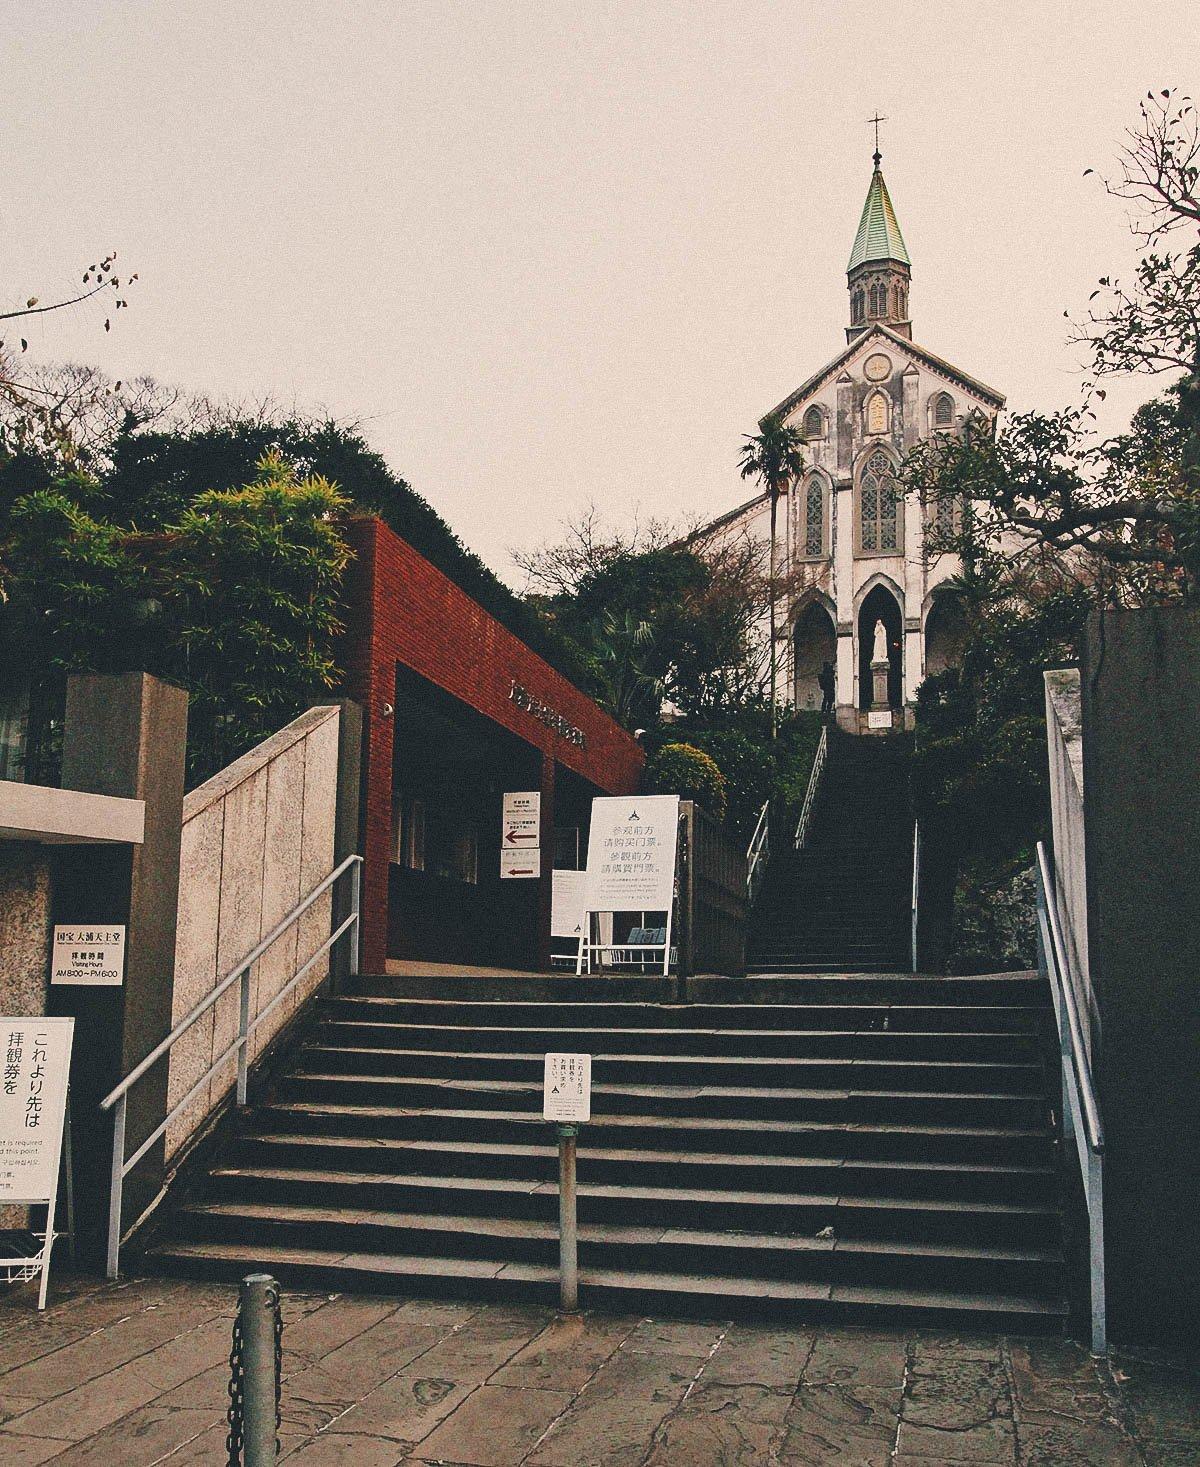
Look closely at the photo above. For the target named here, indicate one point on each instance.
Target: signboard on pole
(567, 1087)
(91, 955)
(515, 865)
(521, 824)
(36, 1066)
(566, 903)
(631, 853)
(521, 835)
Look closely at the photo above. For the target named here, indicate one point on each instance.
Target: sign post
(631, 867)
(33, 1104)
(567, 1099)
(521, 835)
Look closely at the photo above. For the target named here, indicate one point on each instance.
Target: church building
(851, 545)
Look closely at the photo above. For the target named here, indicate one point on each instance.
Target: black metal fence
(713, 906)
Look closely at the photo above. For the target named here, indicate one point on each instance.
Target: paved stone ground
(133, 1374)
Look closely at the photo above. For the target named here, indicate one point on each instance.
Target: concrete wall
(256, 839)
(1064, 741)
(1141, 733)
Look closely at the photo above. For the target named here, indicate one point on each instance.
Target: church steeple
(879, 271)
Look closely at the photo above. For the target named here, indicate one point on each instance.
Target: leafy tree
(775, 456)
(683, 770)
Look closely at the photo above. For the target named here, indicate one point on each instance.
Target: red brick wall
(404, 610)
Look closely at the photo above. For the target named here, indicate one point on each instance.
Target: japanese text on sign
(631, 853)
(92, 956)
(33, 1094)
(567, 1087)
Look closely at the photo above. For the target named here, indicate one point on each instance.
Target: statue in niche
(880, 654)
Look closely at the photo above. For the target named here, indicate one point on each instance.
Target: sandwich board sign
(36, 1064)
(566, 903)
(89, 955)
(521, 835)
(567, 1088)
(631, 862)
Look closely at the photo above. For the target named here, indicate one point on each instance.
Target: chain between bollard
(255, 1372)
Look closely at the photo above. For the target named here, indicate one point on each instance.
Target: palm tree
(775, 456)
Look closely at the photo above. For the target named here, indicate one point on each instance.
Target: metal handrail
(916, 888)
(119, 1095)
(758, 852)
(1061, 972)
(1080, 1113)
(810, 794)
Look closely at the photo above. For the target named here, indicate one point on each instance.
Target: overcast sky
(561, 251)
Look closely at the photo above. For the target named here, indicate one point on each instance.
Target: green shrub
(690, 773)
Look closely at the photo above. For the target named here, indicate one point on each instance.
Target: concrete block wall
(257, 837)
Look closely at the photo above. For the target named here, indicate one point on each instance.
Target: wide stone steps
(848, 1147)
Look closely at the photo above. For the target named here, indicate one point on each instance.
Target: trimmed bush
(690, 773)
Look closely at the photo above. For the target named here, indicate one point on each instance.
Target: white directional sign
(522, 820)
(91, 954)
(515, 865)
(631, 853)
(567, 1087)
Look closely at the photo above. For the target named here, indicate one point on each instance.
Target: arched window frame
(941, 417)
(878, 395)
(814, 490)
(877, 474)
(812, 425)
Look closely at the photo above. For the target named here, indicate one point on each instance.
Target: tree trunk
(771, 604)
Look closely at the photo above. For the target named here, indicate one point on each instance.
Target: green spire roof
(878, 236)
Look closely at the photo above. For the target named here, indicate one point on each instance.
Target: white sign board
(518, 865)
(631, 853)
(521, 823)
(91, 955)
(879, 719)
(567, 1087)
(567, 894)
(33, 1100)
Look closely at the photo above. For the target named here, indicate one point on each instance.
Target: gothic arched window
(943, 411)
(814, 423)
(810, 536)
(856, 307)
(878, 506)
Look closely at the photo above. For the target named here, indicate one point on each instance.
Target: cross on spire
(876, 120)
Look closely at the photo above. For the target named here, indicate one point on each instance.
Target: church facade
(851, 545)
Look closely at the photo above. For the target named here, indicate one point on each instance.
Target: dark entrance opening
(945, 633)
(814, 643)
(880, 605)
(451, 767)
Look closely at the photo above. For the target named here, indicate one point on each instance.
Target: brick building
(458, 710)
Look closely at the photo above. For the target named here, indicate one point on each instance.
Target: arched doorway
(880, 605)
(945, 633)
(814, 642)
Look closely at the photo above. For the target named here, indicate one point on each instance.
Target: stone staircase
(860, 1148)
(843, 903)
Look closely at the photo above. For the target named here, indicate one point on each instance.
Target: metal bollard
(254, 1389)
(568, 1241)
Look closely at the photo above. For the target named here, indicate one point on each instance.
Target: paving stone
(438, 1313)
(566, 1354)
(658, 1337)
(1165, 1401)
(98, 1353)
(349, 1372)
(761, 1357)
(851, 1357)
(470, 1354)
(139, 1439)
(1076, 1444)
(722, 1425)
(320, 1332)
(209, 1389)
(842, 1423)
(404, 1409)
(28, 1451)
(98, 1403)
(496, 1426)
(11, 1406)
(612, 1424)
(942, 1345)
(993, 1442)
(346, 1451)
(954, 1394)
